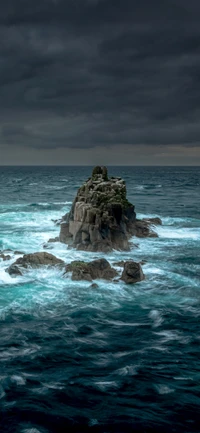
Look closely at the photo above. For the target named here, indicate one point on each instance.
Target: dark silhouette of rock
(35, 260)
(132, 272)
(18, 252)
(94, 286)
(99, 268)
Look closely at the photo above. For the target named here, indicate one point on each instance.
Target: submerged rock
(132, 272)
(34, 260)
(5, 257)
(154, 221)
(99, 268)
(56, 239)
(13, 270)
(101, 217)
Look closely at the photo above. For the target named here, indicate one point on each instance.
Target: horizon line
(94, 165)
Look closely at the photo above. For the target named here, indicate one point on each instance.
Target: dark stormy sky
(100, 82)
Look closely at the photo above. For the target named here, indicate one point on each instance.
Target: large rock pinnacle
(101, 217)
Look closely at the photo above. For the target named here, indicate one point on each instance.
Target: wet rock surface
(34, 260)
(101, 217)
(132, 272)
(13, 270)
(97, 269)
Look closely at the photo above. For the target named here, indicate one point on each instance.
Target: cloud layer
(91, 73)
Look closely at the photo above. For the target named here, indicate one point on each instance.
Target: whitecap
(2, 392)
(30, 430)
(5, 278)
(139, 187)
(54, 187)
(19, 380)
(93, 422)
(128, 370)
(164, 389)
(171, 233)
(106, 385)
(156, 318)
(53, 385)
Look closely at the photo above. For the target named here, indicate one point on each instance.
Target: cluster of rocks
(79, 270)
(8, 253)
(101, 217)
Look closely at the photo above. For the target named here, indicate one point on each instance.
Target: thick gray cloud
(87, 73)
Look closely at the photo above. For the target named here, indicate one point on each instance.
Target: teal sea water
(112, 359)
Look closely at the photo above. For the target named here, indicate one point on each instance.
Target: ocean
(116, 358)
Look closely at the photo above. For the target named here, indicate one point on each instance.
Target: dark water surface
(112, 359)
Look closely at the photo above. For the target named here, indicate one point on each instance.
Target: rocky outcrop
(99, 268)
(34, 260)
(101, 217)
(132, 272)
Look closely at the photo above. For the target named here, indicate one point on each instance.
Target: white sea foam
(29, 231)
(19, 380)
(178, 233)
(164, 389)
(30, 430)
(156, 318)
(139, 187)
(105, 386)
(54, 187)
(2, 392)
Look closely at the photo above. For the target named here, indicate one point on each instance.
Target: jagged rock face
(101, 217)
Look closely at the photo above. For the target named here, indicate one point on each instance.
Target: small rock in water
(99, 268)
(13, 270)
(94, 286)
(54, 239)
(5, 257)
(132, 272)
